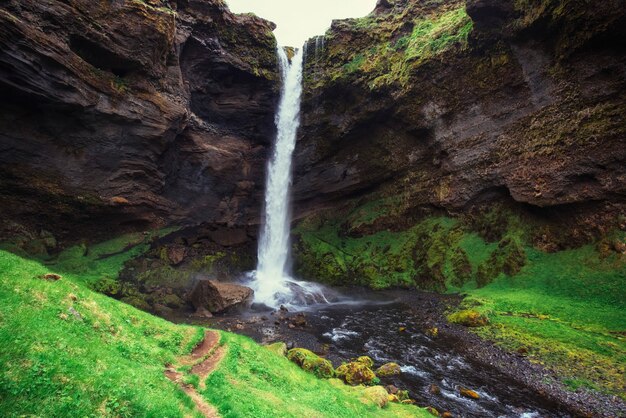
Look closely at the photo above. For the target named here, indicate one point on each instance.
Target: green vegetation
(386, 60)
(564, 308)
(253, 382)
(67, 351)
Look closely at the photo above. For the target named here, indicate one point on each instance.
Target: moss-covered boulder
(468, 318)
(356, 373)
(311, 362)
(376, 395)
(468, 393)
(366, 360)
(388, 369)
(278, 348)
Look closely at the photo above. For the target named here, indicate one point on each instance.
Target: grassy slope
(107, 362)
(566, 309)
(258, 383)
(110, 360)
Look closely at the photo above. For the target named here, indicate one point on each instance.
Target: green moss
(468, 318)
(356, 373)
(386, 60)
(565, 308)
(258, 383)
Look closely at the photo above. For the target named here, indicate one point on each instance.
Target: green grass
(69, 351)
(386, 60)
(90, 264)
(259, 383)
(92, 356)
(565, 309)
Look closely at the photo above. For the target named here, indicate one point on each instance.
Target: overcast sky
(298, 20)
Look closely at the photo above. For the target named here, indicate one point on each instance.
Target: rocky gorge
(472, 147)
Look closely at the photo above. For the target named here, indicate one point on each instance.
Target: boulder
(216, 296)
(376, 395)
(356, 373)
(311, 362)
(388, 369)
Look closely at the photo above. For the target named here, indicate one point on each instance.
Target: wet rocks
(388, 369)
(217, 296)
(468, 393)
(357, 372)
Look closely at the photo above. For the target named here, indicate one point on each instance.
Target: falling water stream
(273, 285)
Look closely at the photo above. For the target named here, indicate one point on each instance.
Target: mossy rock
(468, 318)
(356, 373)
(388, 369)
(278, 348)
(366, 360)
(376, 395)
(320, 367)
(311, 362)
(468, 393)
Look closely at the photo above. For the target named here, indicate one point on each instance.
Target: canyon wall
(449, 105)
(124, 115)
(456, 108)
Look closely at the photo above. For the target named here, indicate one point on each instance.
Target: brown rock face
(522, 104)
(132, 114)
(217, 296)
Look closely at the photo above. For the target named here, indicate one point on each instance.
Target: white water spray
(273, 285)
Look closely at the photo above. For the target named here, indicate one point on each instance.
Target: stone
(434, 389)
(279, 348)
(175, 254)
(388, 369)
(218, 297)
(468, 393)
(376, 395)
(311, 362)
(366, 360)
(356, 373)
(53, 277)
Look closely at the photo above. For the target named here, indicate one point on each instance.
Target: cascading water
(273, 285)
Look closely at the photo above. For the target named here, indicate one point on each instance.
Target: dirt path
(203, 360)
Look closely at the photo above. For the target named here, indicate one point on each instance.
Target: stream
(391, 330)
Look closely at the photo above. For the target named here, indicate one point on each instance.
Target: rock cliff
(448, 104)
(128, 114)
(467, 109)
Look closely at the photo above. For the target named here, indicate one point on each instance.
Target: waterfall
(273, 285)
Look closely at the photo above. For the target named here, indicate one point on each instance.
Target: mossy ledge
(526, 288)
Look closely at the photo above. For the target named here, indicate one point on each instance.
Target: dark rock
(123, 116)
(218, 297)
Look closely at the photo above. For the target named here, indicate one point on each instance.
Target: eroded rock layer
(447, 104)
(130, 114)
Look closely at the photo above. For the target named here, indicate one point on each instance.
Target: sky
(298, 20)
